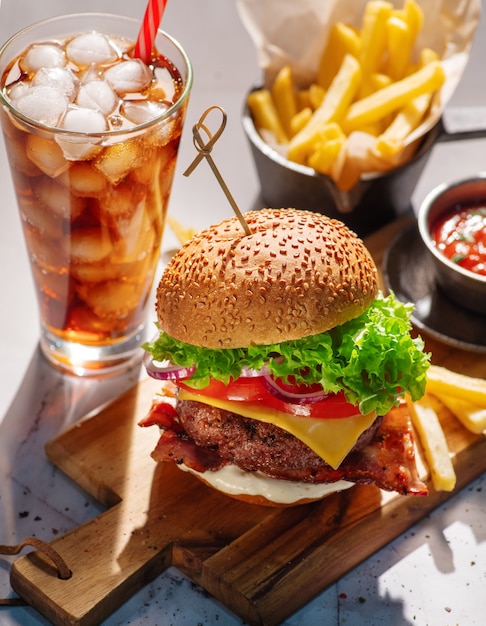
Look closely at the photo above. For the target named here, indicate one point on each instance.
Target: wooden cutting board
(262, 563)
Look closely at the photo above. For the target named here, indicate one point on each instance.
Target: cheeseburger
(286, 363)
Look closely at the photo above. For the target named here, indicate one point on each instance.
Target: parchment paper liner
(292, 33)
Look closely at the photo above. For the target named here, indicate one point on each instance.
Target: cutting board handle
(104, 574)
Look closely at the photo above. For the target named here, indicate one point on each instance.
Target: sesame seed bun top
(298, 274)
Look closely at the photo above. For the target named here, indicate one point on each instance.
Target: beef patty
(255, 445)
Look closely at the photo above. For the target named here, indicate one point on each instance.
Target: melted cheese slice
(331, 439)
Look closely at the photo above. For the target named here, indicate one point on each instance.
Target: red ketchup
(461, 236)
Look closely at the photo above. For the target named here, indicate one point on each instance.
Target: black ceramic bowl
(375, 201)
(466, 288)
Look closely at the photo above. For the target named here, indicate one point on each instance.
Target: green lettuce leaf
(373, 358)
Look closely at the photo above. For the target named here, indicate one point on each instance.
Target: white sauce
(232, 480)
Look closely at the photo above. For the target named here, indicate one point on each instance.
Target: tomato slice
(292, 391)
(253, 391)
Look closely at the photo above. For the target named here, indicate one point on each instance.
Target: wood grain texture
(262, 563)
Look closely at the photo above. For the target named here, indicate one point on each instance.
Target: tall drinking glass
(92, 136)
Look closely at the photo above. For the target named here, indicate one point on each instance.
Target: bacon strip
(388, 461)
(179, 448)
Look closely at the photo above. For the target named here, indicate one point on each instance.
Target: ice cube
(120, 204)
(91, 73)
(46, 154)
(46, 252)
(42, 104)
(116, 161)
(91, 48)
(84, 180)
(96, 272)
(170, 131)
(113, 298)
(137, 236)
(88, 245)
(16, 91)
(97, 94)
(129, 76)
(81, 121)
(39, 217)
(164, 84)
(143, 111)
(19, 159)
(55, 284)
(117, 122)
(42, 55)
(81, 317)
(58, 77)
(58, 199)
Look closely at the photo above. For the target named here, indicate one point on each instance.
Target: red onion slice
(166, 370)
(248, 372)
(295, 398)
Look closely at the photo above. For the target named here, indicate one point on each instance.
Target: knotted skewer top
(204, 152)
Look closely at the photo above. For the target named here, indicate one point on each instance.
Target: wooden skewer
(204, 152)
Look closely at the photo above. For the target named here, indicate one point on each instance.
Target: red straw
(146, 36)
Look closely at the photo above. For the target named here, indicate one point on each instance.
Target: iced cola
(92, 136)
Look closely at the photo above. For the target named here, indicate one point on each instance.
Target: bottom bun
(257, 488)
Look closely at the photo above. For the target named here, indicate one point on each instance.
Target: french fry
(406, 120)
(374, 129)
(379, 80)
(414, 16)
(402, 30)
(400, 43)
(325, 154)
(265, 114)
(444, 382)
(471, 416)
(427, 55)
(336, 102)
(303, 99)
(316, 96)
(373, 83)
(389, 99)
(310, 98)
(400, 13)
(342, 40)
(331, 131)
(283, 95)
(392, 140)
(183, 233)
(427, 424)
(331, 140)
(299, 120)
(366, 81)
(373, 37)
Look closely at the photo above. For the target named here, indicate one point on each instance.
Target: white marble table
(433, 574)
